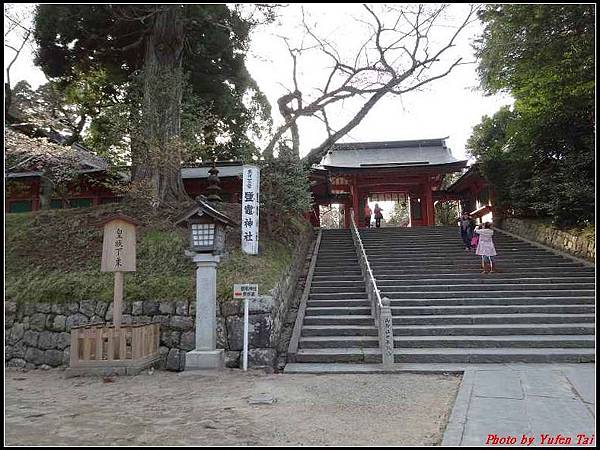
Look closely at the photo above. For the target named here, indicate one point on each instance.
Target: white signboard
(241, 291)
(250, 206)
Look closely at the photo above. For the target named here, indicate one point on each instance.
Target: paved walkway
(532, 400)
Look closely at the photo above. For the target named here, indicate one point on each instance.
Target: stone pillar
(206, 355)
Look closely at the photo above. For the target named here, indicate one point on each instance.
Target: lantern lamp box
(206, 227)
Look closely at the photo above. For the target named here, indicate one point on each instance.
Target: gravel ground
(166, 408)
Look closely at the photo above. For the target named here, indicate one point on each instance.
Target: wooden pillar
(428, 206)
(355, 200)
(316, 215)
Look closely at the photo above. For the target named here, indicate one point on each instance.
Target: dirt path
(165, 408)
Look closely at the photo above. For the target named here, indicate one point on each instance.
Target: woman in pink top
(368, 214)
(485, 246)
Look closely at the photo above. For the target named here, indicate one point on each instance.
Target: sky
(450, 106)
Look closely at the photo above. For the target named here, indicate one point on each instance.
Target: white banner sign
(250, 206)
(241, 291)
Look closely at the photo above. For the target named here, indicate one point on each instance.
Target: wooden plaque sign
(118, 249)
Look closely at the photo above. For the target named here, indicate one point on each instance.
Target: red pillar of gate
(355, 206)
(428, 198)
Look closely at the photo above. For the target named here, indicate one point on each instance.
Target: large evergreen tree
(151, 55)
(540, 155)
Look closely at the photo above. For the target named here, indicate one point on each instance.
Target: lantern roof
(203, 207)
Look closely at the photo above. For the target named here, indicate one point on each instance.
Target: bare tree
(397, 57)
(16, 35)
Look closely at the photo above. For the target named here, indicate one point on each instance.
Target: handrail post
(380, 308)
(386, 334)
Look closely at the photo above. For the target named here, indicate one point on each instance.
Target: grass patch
(54, 256)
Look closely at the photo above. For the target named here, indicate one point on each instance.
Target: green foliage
(399, 215)
(78, 40)
(55, 256)
(284, 186)
(540, 156)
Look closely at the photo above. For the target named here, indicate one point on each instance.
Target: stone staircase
(538, 307)
(337, 326)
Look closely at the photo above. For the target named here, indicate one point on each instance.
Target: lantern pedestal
(205, 355)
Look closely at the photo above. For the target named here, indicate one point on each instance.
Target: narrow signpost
(246, 292)
(250, 209)
(118, 256)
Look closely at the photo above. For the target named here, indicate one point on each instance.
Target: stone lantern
(206, 232)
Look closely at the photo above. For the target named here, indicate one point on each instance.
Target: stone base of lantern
(205, 359)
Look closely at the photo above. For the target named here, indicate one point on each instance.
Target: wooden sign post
(118, 255)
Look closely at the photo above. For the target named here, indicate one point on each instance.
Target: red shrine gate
(351, 173)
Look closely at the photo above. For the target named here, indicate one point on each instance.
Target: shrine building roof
(390, 154)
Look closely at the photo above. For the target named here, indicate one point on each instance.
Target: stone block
(53, 358)
(10, 308)
(97, 319)
(137, 308)
(8, 352)
(261, 305)
(188, 340)
(175, 360)
(144, 320)
(9, 321)
(101, 308)
(30, 338)
(16, 333)
(87, 307)
(231, 308)
(47, 340)
(18, 350)
(34, 356)
(162, 320)
(75, 320)
(232, 360)
(166, 307)
(43, 307)
(182, 307)
(181, 323)
(37, 322)
(58, 308)
(221, 333)
(259, 331)
(66, 357)
(17, 362)
(150, 308)
(72, 307)
(262, 357)
(49, 321)
(126, 319)
(63, 340)
(59, 323)
(170, 339)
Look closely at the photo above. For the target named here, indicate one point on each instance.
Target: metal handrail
(363, 255)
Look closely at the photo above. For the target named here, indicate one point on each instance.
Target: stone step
(338, 303)
(339, 342)
(359, 282)
(337, 288)
(494, 301)
(331, 310)
(494, 329)
(500, 278)
(346, 320)
(494, 355)
(341, 295)
(474, 270)
(502, 266)
(347, 355)
(484, 293)
(508, 285)
(521, 341)
(466, 319)
(467, 257)
(489, 309)
(340, 330)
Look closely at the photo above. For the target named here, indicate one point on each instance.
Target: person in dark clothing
(466, 225)
(378, 215)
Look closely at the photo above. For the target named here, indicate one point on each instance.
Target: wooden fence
(103, 345)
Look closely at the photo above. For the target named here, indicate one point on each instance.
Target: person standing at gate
(378, 215)
(466, 230)
(368, 214)
(485, 246)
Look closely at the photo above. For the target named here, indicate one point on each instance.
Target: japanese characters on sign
(118, 250)
(250, 209)
(242, 291)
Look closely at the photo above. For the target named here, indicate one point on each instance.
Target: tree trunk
(158, 152)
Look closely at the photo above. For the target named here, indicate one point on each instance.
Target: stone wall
(38, 334)
(580, 246)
